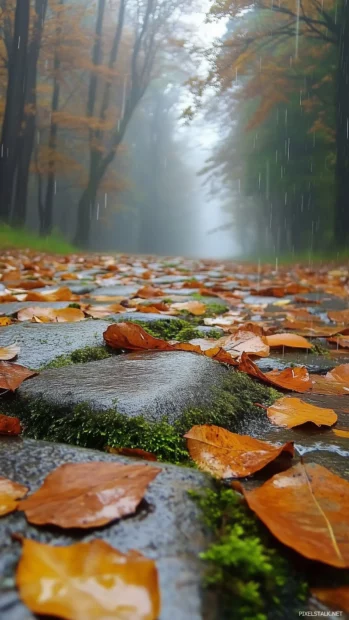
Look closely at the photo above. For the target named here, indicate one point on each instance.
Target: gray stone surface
(146, 317)
(121, 290)
(154, 384)
(42, 342)
(166, 527)
(314, 363)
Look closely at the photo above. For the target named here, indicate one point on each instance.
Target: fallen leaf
(9, 425)
(334, 598)
(53, 315)
(9, 352)
(87, 581)
(334, 382)
(147, 292)
(290, 412)
(60, 294)
(339, 316)
(133, 337)
(314, 330)
(134, 452)
(294, 379)
(306, 508)
(4, 321)
(88, 494)
(12, 375)
(197, 308)
(10, 492)
(228, 455)
(288, 340)
(341, 433)
(246, 341)
(340, 341)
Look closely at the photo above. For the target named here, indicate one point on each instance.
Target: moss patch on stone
(178, 329)
(252, 579)
(89, 428)
(80, 356)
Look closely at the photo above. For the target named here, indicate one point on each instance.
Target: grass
(25, 239)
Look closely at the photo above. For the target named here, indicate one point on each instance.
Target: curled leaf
(88, 581)
(306, 508)
(9, 352)
(228, 455)
(294, 379)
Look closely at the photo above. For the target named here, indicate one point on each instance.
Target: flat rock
(319, 364)
(42, 342)
(154, 384)
(121, 290)
(146, 317)
(166, 527)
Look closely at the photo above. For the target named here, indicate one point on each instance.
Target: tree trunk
(85, 211)
(26, 139)
(342, 133)
(14, 108)
(51, 177)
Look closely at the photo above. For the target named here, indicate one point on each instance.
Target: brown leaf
(307, 509)
(334, 382)
(88, 581)
(334, 598)
(61, 294)
(245, 341)
(290, 412)
(134, 452)
(10, 492)
(88, 494)
(226, 455)
(9, 352)
(9, 425)
(339, 316)
(288, 340)
(340, 341)
(147, 292)
(295, 379)
(132, 337)
(99, 312)
(12, 375)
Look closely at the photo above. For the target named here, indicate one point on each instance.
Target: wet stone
(315, 363)
(146, 317)
(154, 384)
(121, 290)
(167, 526)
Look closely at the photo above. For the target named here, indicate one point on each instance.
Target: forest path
(129, 391)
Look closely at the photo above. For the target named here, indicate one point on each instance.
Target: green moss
(319, 349)
(251, 577)
(83, 426)
(168, 329)
(81, 356)
(74, 305)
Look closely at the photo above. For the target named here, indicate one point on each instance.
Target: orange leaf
(10, 492)
(290, 412)
(340, 341)
(12, 375)
(334, 598)
(295, 379)
(134, 452)
(9, 352)
(244, 341)
(341, 433)
(147, 292)
(99, 312)
(61, 294)
(5, 320)
(288, 340)
(334, 382)
(9, 425)
(193, 307)
(88, 494)
(87, 580)
(227, 455)
(307, 509)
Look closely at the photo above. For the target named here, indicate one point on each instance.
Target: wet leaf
(340, 341)
(244, 340)
(307, 509)
(334, 382)
(339, 316)
(99, 312)
(334, 598)
(4, 321)
(88, 494)
(294, 379)
(9, 352)
(10, 492)
(288, 340)
(134, 452)
(290, 412)
(9, 425)
(88, 581)
(12, 375)
(228, 455)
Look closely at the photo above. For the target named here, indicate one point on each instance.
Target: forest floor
(110, 360)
